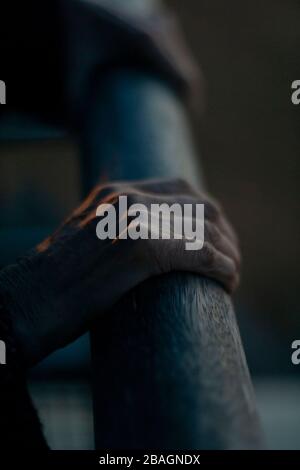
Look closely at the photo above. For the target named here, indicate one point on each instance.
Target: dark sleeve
(20, 427)
(100, 36)
(51, 51)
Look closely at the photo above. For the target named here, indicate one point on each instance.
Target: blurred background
(249, 143)
(249, 140)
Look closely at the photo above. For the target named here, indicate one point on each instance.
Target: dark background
(249, 140)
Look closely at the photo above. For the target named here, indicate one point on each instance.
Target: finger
(208, 261)
(215, 213)
(216, 265)
(228, 229)
(160, 186)
(222, 243)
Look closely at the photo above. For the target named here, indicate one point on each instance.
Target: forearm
(25, 288)
(20, 426)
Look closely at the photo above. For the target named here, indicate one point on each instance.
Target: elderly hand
(73, 276)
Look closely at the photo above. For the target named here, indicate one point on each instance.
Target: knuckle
(213, 233)
(208, 255)
(212, 210)
(105, 191)
(181, 184)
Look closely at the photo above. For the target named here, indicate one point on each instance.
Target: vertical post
(169, 370)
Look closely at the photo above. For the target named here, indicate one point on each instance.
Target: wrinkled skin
(73, 277)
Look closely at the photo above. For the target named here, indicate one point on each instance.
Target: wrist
(23, 298)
